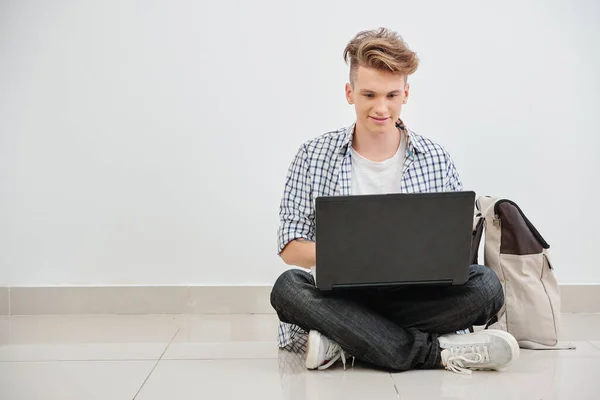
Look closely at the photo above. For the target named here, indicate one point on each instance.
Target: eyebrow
(370, 91)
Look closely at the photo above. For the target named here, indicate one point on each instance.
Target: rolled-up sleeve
(296, 211)
(452, 181)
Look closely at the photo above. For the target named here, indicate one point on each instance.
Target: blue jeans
(391, 328)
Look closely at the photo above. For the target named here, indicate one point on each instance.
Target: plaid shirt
(323, 167)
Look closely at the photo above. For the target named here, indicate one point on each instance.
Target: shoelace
(456, 362)
(334, 352)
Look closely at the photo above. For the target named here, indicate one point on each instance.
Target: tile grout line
(395, 387)
(156, 364)
(593, 345)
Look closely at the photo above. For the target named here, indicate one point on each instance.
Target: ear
(349, 94)
(406, 91)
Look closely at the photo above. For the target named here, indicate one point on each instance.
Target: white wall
(147, 142)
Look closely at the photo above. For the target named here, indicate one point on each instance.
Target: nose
(380, 107)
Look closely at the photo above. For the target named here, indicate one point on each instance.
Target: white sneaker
(322, 353)
(485, 350)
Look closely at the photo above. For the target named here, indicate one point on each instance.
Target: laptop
(374, 241)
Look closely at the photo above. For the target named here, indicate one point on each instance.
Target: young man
(403, 328)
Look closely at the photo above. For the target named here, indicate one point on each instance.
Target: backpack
(519, 255)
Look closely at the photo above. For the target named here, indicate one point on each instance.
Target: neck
(376, 146)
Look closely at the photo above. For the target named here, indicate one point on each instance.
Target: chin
(376, 128)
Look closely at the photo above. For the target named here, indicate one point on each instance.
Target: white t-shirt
(372, 177)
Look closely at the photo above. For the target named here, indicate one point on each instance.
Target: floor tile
(4, 330)
(221, 351)
(264, 379)
(72, 380)
(227, 328)
(81, 352)
(56, 338)
(236, 336)
(544, 375)
(235, 356)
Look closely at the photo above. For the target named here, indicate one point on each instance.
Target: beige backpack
(519, 256)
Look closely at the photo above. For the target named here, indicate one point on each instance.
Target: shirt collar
(414, 141)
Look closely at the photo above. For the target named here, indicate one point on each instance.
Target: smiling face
(377, 96)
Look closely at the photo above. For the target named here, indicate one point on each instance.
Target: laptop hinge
(442, 282)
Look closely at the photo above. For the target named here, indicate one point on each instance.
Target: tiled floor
(235, 357)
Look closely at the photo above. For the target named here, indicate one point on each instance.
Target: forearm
(300, 253)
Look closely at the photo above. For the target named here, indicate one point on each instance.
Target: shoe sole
(514, 345)
(313, 343)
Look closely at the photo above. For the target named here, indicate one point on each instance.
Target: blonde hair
(381, 49)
